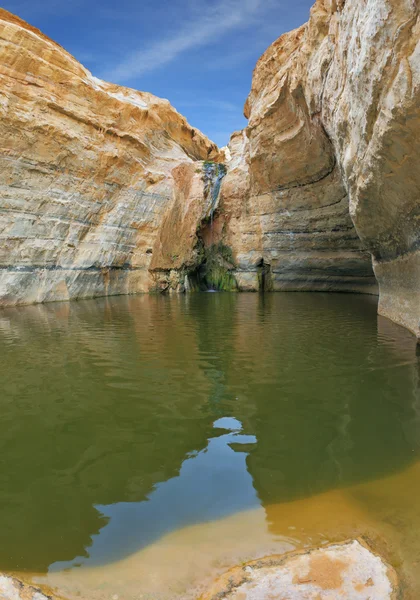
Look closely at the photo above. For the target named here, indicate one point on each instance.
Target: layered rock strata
(89, 171)
(334, 130)
(293, 223)
(370, 103)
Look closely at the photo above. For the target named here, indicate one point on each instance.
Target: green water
(126, 418)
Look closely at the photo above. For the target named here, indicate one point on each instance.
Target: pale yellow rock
(88, 173)
(15, 589)
(101, 187)
(348, 571)
(334, 127)
(285, 202)
(371, 110)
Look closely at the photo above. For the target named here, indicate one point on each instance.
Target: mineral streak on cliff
(213, 177)
(88, 172)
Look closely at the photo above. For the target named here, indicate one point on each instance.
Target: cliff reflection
(99, 404)
(108, 410)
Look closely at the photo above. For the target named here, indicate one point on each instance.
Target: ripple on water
(134, 428)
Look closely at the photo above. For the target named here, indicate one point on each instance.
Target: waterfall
(213, 175)
(215, 269)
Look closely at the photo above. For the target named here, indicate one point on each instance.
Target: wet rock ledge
(14, 589)
(347, 571)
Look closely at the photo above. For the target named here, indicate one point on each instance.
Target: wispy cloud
(234, 59)
(209, 103)
(208, 23)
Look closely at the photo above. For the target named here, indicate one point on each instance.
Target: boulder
(347, 571)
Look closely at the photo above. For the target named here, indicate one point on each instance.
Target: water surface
(127, 421)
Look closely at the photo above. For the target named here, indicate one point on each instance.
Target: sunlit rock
(334, 141)
(284, 200)
(13, 589)
(89, 171)
(370, 106)
(102, 191)
(349, 571)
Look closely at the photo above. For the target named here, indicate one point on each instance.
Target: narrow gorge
(162, 443)
(106, 190)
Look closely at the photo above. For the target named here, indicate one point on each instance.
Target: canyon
(105, 190)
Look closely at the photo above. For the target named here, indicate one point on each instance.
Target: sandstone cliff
(370, 105)
(334, 132)
(88, 171)
(294, 224)
(104, 190)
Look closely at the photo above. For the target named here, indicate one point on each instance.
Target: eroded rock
(14, 589)
(285, 202)
(334, 128)
(89, 172)
(348, 571)
(371, 110)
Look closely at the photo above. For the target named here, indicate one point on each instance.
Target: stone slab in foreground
(348, 571)
(13, 589)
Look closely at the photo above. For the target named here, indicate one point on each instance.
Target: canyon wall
(371, 110)
(105, 190)
(294, 223)
(88, 173)
(331, 156)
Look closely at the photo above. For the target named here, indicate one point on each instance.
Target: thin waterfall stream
(213, 176)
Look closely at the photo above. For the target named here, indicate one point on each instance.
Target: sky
(199, 54)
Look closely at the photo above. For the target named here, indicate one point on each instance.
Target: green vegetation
(216, 269)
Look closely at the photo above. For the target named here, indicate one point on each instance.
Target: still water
(149, 443)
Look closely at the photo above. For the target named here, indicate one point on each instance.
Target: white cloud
(209, 103)
(208, 24)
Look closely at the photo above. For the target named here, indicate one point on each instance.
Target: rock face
(293, 225)
(349, 571)
(88, 173)
(334, 128)
(370, 108)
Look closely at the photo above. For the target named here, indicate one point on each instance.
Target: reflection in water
(184, 563)
(125, 419)
(216, 478)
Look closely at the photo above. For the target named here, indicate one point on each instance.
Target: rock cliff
(88, 173)
(105, 190)
(369, 100)
(331, 156)
(294, 225)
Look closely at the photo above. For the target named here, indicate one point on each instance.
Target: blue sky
(199, 54)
